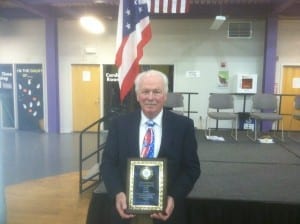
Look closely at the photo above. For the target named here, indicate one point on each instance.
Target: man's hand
(168, 211)
(121, 206)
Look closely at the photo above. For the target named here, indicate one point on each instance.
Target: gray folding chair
(174, 102)
(221, 107)
(264, 108)
(295, 116)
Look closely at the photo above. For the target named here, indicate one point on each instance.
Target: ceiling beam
(283, 6)
(35, 10)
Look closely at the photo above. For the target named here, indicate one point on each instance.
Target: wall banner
(7, 118)
(29, 78)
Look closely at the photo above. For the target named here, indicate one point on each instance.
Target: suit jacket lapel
(133, 134)
(166, 133)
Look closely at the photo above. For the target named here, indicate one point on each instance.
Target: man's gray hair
(150, 73)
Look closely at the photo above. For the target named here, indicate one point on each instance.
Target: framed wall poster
(223, 77)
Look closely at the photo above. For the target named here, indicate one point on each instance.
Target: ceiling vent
(240, 30)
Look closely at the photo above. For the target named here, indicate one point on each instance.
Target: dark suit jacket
(178, 146)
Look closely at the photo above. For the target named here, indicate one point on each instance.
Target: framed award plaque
(146, 185)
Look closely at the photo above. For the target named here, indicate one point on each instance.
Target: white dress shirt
(157, 128)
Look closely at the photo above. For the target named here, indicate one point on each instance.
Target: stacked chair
(221, 107)
(174, 103)
(264, 108)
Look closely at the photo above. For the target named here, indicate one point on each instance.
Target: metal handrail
(92, 180)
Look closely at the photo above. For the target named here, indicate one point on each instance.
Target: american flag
(133, 33)
(169, 6)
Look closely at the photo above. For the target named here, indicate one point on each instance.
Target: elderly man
(174, 140)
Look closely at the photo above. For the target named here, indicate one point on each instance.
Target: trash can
(245, 122)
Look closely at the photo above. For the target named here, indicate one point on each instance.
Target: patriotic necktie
(148, 143)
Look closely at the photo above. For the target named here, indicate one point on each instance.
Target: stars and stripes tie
(148, 142)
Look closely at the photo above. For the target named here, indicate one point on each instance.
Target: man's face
(151, 95)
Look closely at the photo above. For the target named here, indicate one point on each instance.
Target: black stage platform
(241, 182)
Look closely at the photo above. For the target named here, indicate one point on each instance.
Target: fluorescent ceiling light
(92, 24)
(219, 20)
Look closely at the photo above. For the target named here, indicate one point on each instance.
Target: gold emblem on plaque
(146, 173)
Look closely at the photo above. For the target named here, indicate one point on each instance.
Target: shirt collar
(157, 119)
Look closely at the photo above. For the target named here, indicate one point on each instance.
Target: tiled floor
(33, 155)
